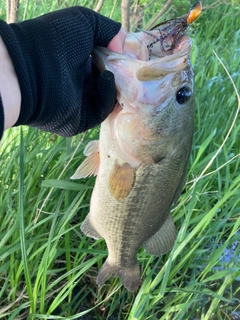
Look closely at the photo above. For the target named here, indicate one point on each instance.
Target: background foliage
(48, 268)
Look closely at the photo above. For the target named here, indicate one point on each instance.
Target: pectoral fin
(163, 240)
(90, 165)
(121, 180)
(89, 230)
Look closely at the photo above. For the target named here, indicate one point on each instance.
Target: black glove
(62, 91)
(1, 118)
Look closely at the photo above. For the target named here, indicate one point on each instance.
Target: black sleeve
(61, 89)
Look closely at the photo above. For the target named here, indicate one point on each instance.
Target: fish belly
(137, 219)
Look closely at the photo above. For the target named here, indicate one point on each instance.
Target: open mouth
(166, 46)
(147, 50)
(167, 41)
(139, 60)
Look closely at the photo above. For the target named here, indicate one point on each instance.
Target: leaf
(221, 274)
(66, 185)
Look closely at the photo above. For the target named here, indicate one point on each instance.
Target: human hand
(62, 90)
(117, 43)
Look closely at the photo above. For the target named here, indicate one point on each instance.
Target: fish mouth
(184, 44)
(148, 65)
(137, 49)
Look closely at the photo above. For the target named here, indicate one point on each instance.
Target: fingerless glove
(62, 91)
(1, 118)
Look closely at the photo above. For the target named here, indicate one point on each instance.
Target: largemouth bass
(141, 157)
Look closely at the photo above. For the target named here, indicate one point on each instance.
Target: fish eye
(183, 95)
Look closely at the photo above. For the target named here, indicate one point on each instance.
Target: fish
(140, 160)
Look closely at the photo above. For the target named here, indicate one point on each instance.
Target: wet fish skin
(141, 157)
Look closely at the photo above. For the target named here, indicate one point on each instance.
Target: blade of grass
(51, 190)
(22, 225)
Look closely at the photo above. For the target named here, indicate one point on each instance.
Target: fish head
(154, 114)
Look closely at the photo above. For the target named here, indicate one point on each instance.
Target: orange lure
(194, 12)
(171, 30)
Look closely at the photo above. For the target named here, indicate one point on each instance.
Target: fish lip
(101, 55)
(105, 51)
(182, 44)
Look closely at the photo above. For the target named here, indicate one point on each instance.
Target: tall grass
(48, 267)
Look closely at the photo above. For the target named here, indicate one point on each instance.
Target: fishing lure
(170, 31)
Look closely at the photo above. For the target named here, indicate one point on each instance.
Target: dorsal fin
(91, 164)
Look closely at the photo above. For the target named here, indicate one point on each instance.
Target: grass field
(48, 267)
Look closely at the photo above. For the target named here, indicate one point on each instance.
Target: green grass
(48, 268)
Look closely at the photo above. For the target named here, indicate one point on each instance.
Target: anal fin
(89, 230)
(163, 240)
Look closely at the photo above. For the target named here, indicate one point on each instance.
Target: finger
(117, 42)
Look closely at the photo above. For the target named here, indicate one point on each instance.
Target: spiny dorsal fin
(121, 180)
(91, 164)
(163, 240)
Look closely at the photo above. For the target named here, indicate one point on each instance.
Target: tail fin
(130, 277)
(107, 271)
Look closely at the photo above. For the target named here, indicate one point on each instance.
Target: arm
(9, 88)
(48, 58)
